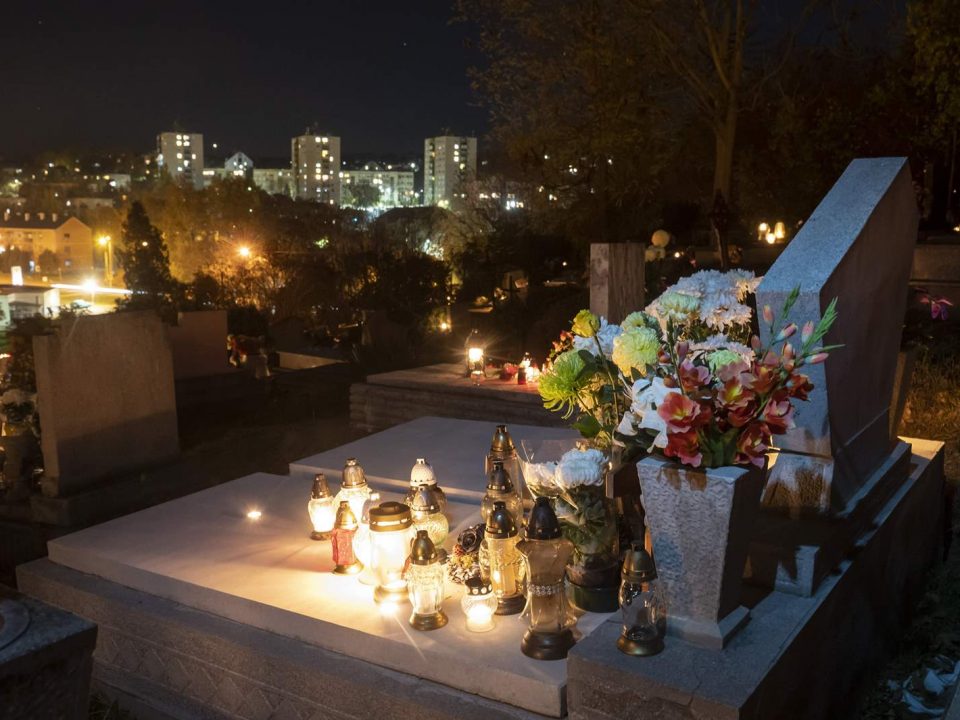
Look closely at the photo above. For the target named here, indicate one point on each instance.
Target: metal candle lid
(423, 551)
(499, 479)
(422, 474)
(390, 516)
(500, 523)
(638, 566)
(476, 586)
(346, 520)
(425, 500)
(320, 488)
(543, 523)
(502, 442)
(353, 475)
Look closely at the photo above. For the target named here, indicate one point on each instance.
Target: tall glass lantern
(503, 449)
(426, 514)
(425, 584)
(321, 509)
(362, 544)
(500, 487)
(506, 564)
(344, 529)
(642, 604)
(422, 475)
(353, 486)
(549, 635)
(391, 530)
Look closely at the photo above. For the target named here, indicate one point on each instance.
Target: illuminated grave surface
(455, 448)
(203, 552)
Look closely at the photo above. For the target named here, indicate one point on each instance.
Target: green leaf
(790, 301)
(587, 426)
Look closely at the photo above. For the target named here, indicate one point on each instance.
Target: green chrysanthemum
(639, 319)
(561, 383)
(721, 358)
(636, 349)
(586, 324)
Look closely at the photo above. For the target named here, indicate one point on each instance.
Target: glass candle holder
(345, 561)
(546, 551)
(505, 562)
(478, 605)
(503, 450)
(321, 509)
(500, 488)
(474, 353)
(353, 487)
(362, 544)
(422, 475)
(425, 511)
(425, 584)
(643, 605)
(391, 530)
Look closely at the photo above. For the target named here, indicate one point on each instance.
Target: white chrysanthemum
(720, 342)
(607, 333)
(580, 467)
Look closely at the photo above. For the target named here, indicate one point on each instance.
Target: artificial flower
(561, 384)
(677, 307)
(639, 319)
(778, 414)
(580, 467)
(685, 447)
(680, 412)
(648, 395)
(752, 445)
(586, 324)
(636, 349)
(692, 377)
(605, 335)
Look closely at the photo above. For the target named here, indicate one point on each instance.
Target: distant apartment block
(180, 155)
(315, 162)
(238, 165)
(449, 163)
(66, 236)
(393, 184)
(275, 181)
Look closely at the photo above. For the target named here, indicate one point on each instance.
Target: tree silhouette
(143, 255)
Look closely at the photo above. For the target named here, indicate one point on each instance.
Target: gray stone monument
(841, 460)
(106, 399)
(616, 279)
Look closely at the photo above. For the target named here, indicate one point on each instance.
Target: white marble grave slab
(455, 448)
(203, 552)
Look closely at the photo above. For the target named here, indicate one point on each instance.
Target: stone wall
(106, 400)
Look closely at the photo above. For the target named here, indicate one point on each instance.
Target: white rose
(581, 467)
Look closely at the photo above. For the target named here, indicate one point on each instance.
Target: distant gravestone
(857, 246)
(616, 279)
(105, 395)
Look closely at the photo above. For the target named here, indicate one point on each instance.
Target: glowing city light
(254, 515)
(243, 251)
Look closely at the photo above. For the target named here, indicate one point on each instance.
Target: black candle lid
(543, 523)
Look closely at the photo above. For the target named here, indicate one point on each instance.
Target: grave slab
(387, 399)
(455, 448)
(203, 553)
(798, 657)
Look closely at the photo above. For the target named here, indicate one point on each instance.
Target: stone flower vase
(701, 522)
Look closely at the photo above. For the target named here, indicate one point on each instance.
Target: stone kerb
(857, 246)
(105, 393)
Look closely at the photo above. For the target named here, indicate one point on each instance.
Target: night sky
(101, 76)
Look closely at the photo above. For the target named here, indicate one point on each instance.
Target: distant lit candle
(321, 509)
(254, 515)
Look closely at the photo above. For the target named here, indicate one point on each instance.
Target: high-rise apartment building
(449, 163)
(180, 155)
(394, 185)
(315, 162)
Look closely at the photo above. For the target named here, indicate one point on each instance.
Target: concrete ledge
(798, 657)
(184, 663)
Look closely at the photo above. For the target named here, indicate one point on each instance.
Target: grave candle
(320, 507)
(642, 604)
(362, 544)
(506, 570)
(500, 487)
(478, 605)
(421, 474)
(425, 511)
(503, 449)
(425, 582)
(390, 535)
(475, 351)
(353, 486)
(342, 542)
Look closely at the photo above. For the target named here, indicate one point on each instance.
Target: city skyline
(105, 78)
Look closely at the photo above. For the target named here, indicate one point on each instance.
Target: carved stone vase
(700, 523)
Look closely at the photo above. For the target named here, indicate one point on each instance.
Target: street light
(90, 284)
(244, 251)
(106, 243)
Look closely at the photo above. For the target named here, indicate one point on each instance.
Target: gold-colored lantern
(426, 514)
(507, 575)
(353, 486)
(425, 584)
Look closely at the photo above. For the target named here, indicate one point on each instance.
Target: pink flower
(799, 386)
(692, 377)
(685, 447)
(732, 371)
(817, 359)
(752, 445)
(680, 413)
(786, 332)
(778, 414)
(683, 347)
(767, 315)
(807, 332)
